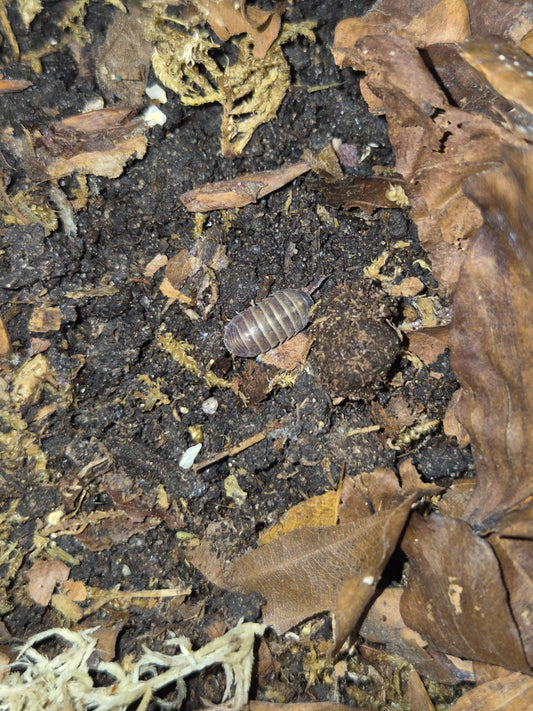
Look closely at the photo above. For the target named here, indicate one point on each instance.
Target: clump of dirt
(355, 343)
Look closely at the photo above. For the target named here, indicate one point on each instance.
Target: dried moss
(249, 89)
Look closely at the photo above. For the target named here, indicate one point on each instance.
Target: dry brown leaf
(436, 152)
(93, 130)
(75, 590)
(304, 572)
(507, 68)
(513, 692)
(228, 19)
(368, 194)
(107, 641)
(428, 22)
(456, 597)
(153, 266)
(241, 191)
(515, 556)
(134, 502)
(253, 382)
(380, 490)
(190, 276)
(456, 497)
(122, 61)
(465, 87)
(512, 18)
(97, 142)
(102, 532)
(319, 510)
(410, 286)
(429, 343)
(384, 625)
(107, 163)
(417, 696)
(491, 335)
(488, 672)
(287, 356)
(451, 425)
(43, 576)
(325, 163)
(171, 292)
(180, 267)
(443, 21)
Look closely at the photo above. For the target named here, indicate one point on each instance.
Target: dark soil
(126, 223)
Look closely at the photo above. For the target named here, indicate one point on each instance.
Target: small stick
(248, 442)
(363, 430)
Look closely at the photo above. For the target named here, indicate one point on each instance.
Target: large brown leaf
(513, 692)
(456, 596)
(516, 560)
(491, 341)
(303, 572)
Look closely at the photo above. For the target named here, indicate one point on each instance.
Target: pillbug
(270, 322)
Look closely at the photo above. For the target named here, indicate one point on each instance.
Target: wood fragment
(240, 191)
(8, 86)
(231, 451)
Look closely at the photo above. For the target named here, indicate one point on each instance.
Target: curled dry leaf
(436, 151)
(97, 142)
(241, 191)
(228, 18)
(491, 336)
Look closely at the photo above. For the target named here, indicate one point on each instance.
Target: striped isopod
(270, 322)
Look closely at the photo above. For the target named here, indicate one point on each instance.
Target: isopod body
(268, 323)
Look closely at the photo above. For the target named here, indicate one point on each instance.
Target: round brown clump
(355, 346)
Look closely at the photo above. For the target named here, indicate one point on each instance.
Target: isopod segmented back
(268, 323)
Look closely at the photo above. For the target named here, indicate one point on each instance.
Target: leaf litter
(458, 110)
